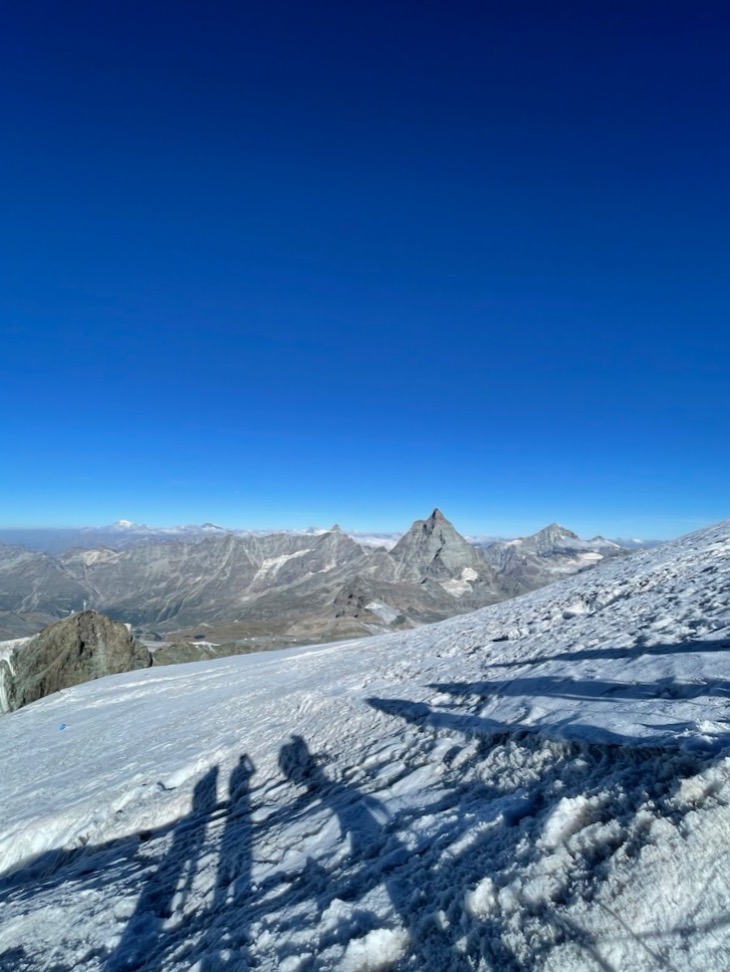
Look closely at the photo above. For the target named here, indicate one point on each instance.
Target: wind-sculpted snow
(542, 784)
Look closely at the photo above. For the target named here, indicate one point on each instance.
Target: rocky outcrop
(433, 553)
(281, 588)
(432, 548)
(77, 649)
(547, 555)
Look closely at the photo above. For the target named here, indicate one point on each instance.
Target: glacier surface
(542, 784)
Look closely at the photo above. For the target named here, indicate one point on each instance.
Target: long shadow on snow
(376, 856)
(427, 882)
(217, 934)
(498, 814)
(667, 688)
(167, 888)
(575, 688)
(220, 929)
(475, 725)
(639, 650)
(225, 943)
(504, 816)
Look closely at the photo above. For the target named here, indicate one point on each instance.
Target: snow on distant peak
(543, 784)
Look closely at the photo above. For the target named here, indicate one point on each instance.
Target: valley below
(245, 592)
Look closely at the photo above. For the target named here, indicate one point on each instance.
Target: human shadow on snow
(522, 777)
(168, 886)
(215, 929)
(375, 855)
(170, 913)
(225, 941)
(488, 814)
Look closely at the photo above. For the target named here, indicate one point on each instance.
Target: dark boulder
(77, 649)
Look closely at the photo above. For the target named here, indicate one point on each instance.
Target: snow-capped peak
(543, 784)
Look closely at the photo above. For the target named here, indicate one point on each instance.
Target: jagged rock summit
(548, 554)
(431, 573)
(77, 649)
(279, 588)
(550, 538)
(433, 549)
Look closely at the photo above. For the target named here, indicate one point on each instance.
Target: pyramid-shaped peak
(550, 538)
(433, 548)
(335, 528)
(556, 530)
(436, 520)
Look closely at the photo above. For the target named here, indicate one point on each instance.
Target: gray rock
(77, 649)
(289, 587)
(432, 550)
(33, 582)
(542, 558)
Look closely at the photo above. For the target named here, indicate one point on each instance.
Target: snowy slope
(540, 785)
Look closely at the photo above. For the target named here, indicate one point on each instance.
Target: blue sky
(286, 264)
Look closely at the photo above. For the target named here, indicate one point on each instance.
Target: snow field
(540, 785)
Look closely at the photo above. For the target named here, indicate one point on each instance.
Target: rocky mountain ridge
(548, 554)
(284, 587)
(125, 534)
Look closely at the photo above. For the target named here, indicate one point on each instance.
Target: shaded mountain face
(79, 648)
(35, 589)
(285, 587)
(550, 553)
(433, 549)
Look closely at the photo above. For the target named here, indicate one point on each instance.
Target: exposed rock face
(433, 549)
(550, 553)
(33, 582)
(219, 578)
(77, 649)
(430, 574)
(435, 556)
(276, 589)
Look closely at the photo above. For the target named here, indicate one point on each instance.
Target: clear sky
(286, 263)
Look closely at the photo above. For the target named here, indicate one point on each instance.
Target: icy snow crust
(540, 785)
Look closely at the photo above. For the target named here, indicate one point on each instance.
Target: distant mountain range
(125, 533)
(278, 588)
(119, 536)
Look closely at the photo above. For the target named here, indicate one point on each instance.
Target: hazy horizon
(375, 530)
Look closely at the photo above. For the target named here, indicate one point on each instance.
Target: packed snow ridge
(542, 784)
